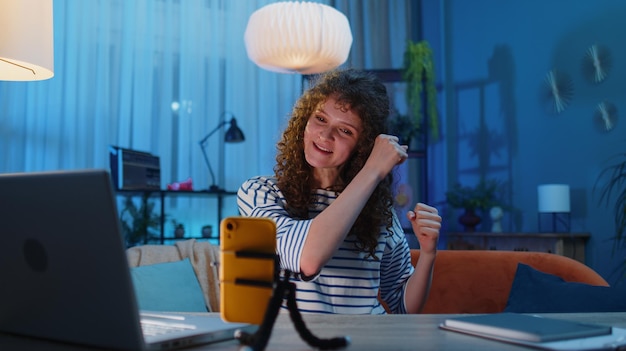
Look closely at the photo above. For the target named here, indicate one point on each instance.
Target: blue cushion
(538, 292)
(171, 286)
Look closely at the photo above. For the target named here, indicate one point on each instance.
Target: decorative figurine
(496, 214)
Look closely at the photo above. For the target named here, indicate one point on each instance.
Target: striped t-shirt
(350, 281)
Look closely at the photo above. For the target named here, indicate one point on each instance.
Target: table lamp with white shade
(554, 207)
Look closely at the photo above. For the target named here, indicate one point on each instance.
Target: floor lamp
(232, 135)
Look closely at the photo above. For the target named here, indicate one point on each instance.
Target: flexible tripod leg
(305, 333)
(258, 340)
(286, 289)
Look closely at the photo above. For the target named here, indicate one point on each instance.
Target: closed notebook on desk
(558, 334)
(523, 327)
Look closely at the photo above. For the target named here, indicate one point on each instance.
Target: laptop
(64, 271)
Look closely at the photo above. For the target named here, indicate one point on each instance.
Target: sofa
(464, 281)
(480, 281)
(204, 259)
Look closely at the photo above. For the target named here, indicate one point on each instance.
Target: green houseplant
(138, 221)
(614, 189)
(403, 126)
(419, 74)
(479, 197)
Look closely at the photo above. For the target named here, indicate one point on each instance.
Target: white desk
(389, 332)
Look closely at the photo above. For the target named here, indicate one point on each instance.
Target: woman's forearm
(419, 283)
(330, 228)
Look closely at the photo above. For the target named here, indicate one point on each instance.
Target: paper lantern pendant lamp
(298, 37)
(26, 40)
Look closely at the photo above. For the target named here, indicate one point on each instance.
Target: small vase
(179, 233)
(207, 231)
(469, 219)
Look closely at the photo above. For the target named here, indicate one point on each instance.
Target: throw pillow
(170, 286)
(538, 292)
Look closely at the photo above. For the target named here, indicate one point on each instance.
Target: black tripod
(285, 289)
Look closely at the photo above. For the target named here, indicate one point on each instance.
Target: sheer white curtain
(381, 30)
(157, 76)
(120, 66)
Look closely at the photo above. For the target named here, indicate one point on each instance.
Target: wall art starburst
(605, 116)
(558, 91)
(596, 63)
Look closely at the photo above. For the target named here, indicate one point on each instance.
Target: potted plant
(615, 190)
(402, 126)
(419, 73)
(138, 222)
(479, 197)
(179, 229)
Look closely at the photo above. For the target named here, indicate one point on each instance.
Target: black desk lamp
(233, 135)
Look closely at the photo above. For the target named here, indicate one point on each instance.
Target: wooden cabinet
(571, 245)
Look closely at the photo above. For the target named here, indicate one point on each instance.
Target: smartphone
(247, 268)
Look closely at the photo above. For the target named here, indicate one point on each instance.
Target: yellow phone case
(247, 264)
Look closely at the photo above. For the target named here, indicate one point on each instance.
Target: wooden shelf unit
(162, 194)
(571, 245)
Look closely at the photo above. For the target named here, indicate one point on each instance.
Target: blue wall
(495, 58)
(492, 57)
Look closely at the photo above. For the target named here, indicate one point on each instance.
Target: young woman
(332, 202)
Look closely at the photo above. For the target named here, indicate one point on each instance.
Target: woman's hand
(386, 154)
(426, 224)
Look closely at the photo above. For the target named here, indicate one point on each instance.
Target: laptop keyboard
(152, 327)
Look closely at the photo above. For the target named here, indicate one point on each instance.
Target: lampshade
(233, 134)
(553, 198)
(303, 37)
(26, 40)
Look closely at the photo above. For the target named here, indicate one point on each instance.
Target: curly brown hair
(365, 95)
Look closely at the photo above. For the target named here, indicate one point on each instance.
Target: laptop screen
(64, 270)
